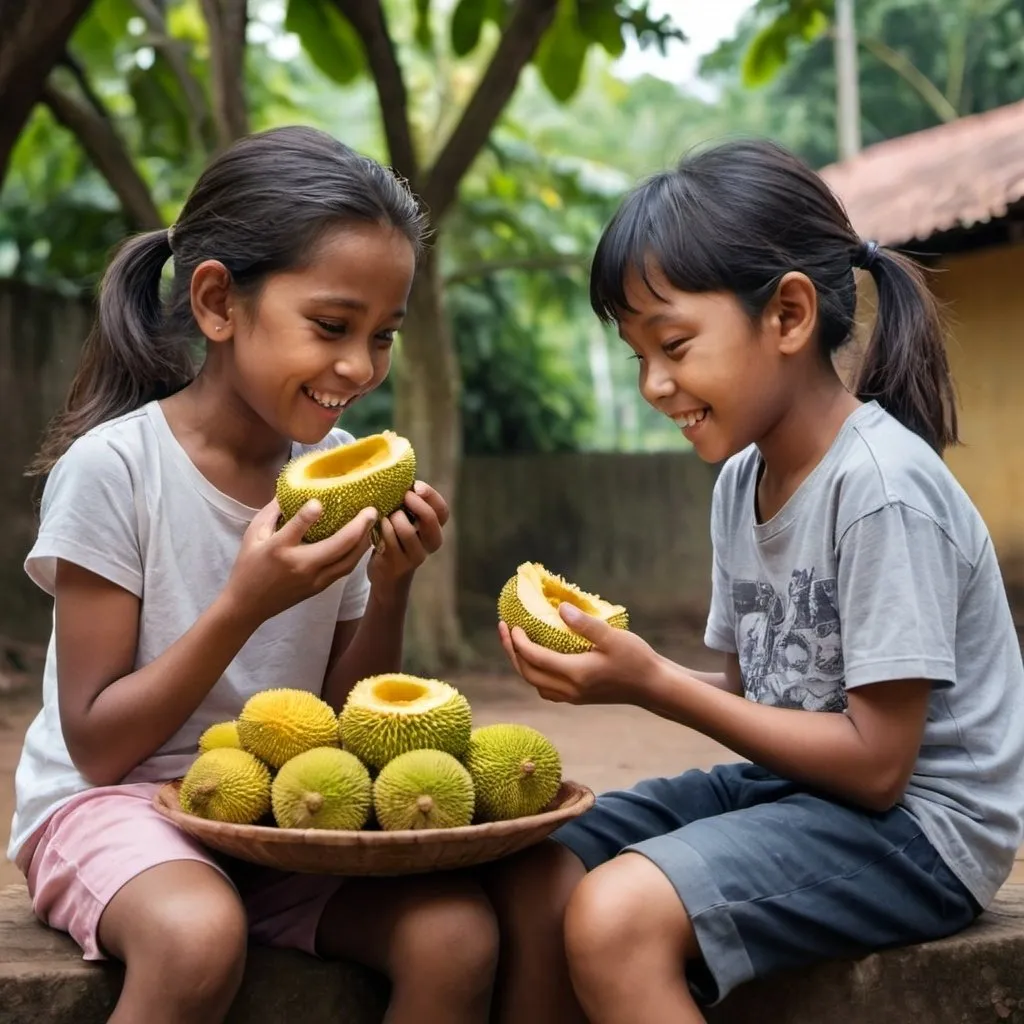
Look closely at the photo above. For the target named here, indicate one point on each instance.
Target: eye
(387, 336)
(331, 327)
(673, 346)
(636, 355)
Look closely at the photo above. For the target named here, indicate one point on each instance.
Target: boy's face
(703, 363)
(320, 337)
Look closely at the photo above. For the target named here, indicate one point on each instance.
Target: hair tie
(866, 255)
(170, 236)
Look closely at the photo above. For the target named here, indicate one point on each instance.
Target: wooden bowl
(372, 852)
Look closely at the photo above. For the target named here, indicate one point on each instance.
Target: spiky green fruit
(530, 600)
(387, 715)
(220, 734)
(277, 724)
(374, 471)
(516, 770)
(322, 788)
(226, 784)
(423, 789)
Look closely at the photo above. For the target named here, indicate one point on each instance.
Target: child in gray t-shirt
(872, 675)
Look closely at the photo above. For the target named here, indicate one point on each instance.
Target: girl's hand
(405, 543)
(276, 569)
(616, 670)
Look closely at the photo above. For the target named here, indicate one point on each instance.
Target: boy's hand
(405, 543)
(616, 670)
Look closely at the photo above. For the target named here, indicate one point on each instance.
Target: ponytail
(128, 359)
(905, 368)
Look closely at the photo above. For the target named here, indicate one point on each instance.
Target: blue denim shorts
(774, 876)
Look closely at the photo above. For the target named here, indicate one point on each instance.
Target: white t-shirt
(127, 503)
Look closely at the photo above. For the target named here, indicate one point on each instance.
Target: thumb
(597, 631)
(293, 531)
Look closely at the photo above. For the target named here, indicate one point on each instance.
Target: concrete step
(976, 977)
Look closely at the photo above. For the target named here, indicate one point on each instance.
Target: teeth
(324, 398)
(691, 419)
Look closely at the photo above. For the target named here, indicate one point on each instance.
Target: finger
(597, 631)
(433, 499)
(506, 642)
(428, 525)
(354, 534)
(264, 523)
(402, 537)
(571, 667)
(294, 530)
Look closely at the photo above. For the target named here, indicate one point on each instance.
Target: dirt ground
(604, 747)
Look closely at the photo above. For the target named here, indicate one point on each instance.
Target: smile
(325, 399)
(690, 419)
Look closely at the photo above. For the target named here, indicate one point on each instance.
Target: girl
(176, 599)
(871, 673)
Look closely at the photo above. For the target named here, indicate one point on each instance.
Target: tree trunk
(33, 36)
(428, 412)
(227, 21)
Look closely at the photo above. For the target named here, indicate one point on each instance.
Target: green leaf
(424, 36)
(561, 53)
(769, 50)
(328, 38)
(467, 21)
(600, 22)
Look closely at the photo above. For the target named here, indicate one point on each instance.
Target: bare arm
(113, 718)
(729, 679)
(865, 755)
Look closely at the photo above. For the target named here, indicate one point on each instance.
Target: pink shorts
(103, 838)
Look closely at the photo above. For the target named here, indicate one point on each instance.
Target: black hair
(260, 207)
(737, 217)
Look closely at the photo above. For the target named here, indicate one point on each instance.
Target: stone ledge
(976, 977)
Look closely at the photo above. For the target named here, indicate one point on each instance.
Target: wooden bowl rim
(571, 800)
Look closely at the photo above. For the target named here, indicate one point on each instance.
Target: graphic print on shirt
(790, 648)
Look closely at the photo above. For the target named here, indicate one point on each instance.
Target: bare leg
(434, 936)
(181, 932)
(628, 938)
(530, 892)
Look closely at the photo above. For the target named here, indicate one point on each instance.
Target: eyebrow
(356, 304)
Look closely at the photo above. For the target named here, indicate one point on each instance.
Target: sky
(705, 25)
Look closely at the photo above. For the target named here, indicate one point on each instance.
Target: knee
(626, 911)
(448, 941)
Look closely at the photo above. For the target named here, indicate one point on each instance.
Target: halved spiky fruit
(530, 599)
(516, 770)
(374, 471)
(423, 789)
(387, 715)
(277, 724)
(322, 788)
(220, 734)
(226, 784)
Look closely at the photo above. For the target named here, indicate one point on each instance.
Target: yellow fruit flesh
(324, 788)
(374, 471)
(388, 715)
(516, 771)
(530, 600)
(226, 784)
(423, 789)
(278, 724)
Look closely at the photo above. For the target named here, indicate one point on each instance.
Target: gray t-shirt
(879, 567)
(127, 503)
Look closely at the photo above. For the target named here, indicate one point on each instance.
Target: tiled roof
(956, 175)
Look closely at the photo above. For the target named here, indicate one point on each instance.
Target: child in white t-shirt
(175, 598)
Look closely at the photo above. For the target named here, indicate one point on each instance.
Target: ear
(211, 300)
(793, 313)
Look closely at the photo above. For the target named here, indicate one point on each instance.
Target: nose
(356, 365)
(656, 384)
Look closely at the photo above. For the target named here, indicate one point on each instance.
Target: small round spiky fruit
(530, 600)
(322, 788)
(423, 789)
(226, 784)
(516, 770)
(388, 715)
(375, 471)
(275, 725)
(220, 734)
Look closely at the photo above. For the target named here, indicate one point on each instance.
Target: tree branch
(100, 140)
(33, 35)
(227, 21)
(554, 262)
(913, 76)
(367, 18)
(173, 51)
(522, 34)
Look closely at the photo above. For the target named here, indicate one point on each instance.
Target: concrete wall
(984, 295)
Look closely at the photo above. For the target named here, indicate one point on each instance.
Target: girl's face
(704, 364)
(319, 338)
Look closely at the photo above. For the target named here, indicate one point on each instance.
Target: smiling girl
(871, 673)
